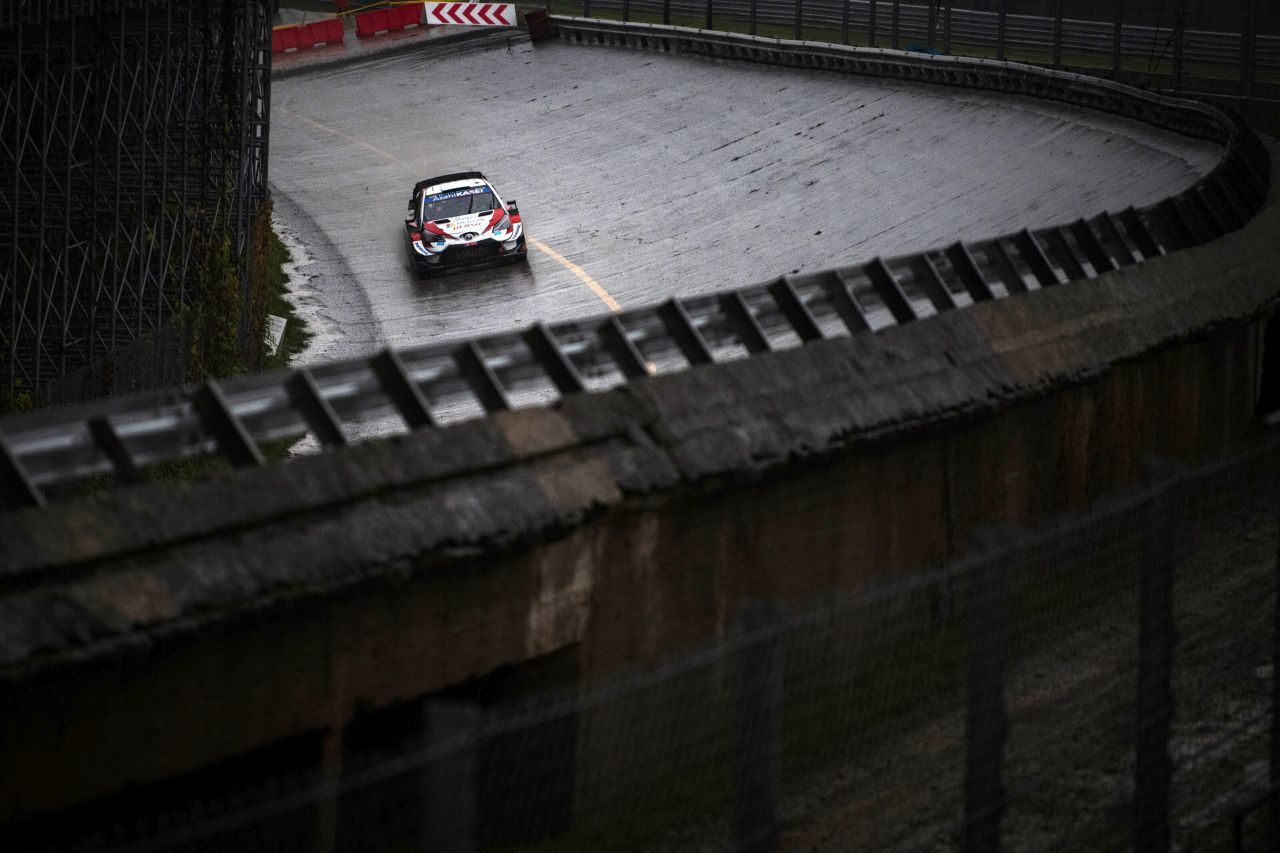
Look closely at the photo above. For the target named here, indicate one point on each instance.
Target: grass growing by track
(296, 334)
(294, 340)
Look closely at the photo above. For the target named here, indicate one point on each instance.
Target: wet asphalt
(646, 175)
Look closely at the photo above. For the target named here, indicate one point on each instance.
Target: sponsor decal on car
(458, 193)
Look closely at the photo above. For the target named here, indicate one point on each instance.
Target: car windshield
(457, 203)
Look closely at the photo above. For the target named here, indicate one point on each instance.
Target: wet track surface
(641, 176)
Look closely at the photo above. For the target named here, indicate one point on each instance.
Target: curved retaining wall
(177, 625)
(490, 373)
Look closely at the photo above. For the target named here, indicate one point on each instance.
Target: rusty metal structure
(133, 159)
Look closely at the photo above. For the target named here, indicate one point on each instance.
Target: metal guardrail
(947, 27)
(439, 383)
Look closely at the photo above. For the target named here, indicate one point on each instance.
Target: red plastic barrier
(329, 31)
(306, 37)
(411, 15)
(283, 39)
(368, 23)
(387, 20)
(297, 36)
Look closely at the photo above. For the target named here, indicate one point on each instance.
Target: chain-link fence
(1105, 682)
(1229, 48)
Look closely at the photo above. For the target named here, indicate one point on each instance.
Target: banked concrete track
(659, 176)
(172, 627)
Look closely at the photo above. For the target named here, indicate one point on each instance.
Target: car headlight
(504, 225)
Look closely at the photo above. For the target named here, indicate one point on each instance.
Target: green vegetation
(296, 334)
(214, 350)
(213, 321)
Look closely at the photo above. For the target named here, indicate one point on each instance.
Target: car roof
(436, 189)
(436, 182)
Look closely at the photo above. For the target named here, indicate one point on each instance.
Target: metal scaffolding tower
(133, 159)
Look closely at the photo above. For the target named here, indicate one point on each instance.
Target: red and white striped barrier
(479, 14)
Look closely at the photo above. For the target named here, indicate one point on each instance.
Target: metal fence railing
(1104, 682)
(1233, 51)
(459, 379)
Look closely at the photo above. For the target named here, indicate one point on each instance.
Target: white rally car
(460, 220)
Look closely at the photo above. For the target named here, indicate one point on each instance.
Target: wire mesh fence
(134, 155)
(1105, 682)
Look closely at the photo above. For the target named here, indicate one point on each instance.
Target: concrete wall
(293, 600)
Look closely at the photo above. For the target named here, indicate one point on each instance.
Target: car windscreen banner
(472, 14)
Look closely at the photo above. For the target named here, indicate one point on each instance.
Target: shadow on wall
(1269, 388)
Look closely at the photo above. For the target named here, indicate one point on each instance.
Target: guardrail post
(1001, 20)
(844, 21)
(946, 28)
(666, 10)
(871, 23)
(709, 26)
(1153, 767)
(586, 8)
(1057, 34)
(1247, 49)
(932, 24)
(799, 18)
(626, 11)
(893, 28)
(16, 488)
(986, 720)
(758, 715)
(1117, 35)
(751, 17)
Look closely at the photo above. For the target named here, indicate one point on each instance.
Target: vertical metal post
(666, 11)
(946, 28)
(1248, 48)
(10, 288)
(1179, 37)
(449, 778)
(844, 21)
(1153, 768)
(1001, 20)
(871, 23)
(986, 720)
(893, 28)
(932, 24)
(758, 715)
(626, 10)
(586, 8)
(1275, 695)
(799, 18)
(1057, 34)
(751, 17)
(1117, 35)
(326, 812)
(709, 25)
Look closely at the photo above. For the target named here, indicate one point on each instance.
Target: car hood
(472, 223)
